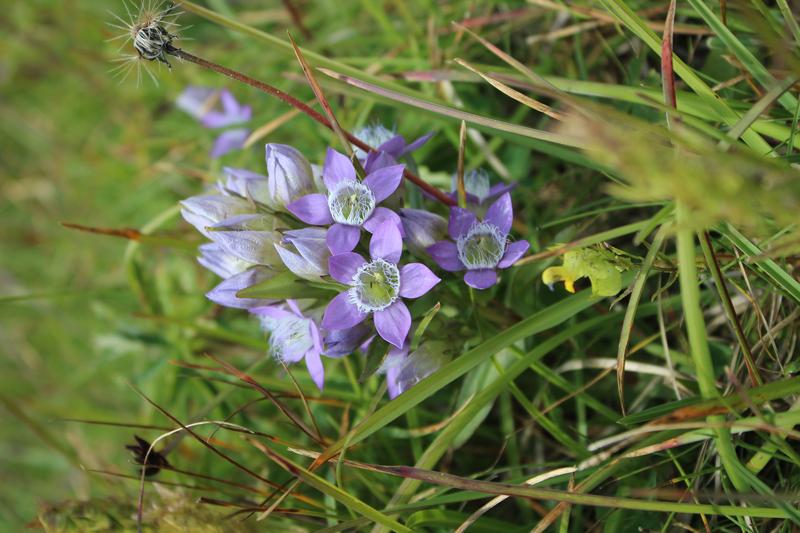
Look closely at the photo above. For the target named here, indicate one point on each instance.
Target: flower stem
(303, 107)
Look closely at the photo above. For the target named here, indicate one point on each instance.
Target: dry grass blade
(513, 93)
(462, 148)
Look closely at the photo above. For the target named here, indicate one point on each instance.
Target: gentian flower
(479, 187)
(249, 237)
(293, 337)
(217, 260)
(305, 252)
(340, 342)
(388, 141)
(403, 371)
(249, 185)
(225, 293)
(200, 102)
(377, 287)
(206, 210)
(349, 204)
(290, 175)
(479, 247)
(422, 228)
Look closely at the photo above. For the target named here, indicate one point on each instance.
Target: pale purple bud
(341, 342)
(196, 101)
(246, 184)
(422, 229)
(290, 175)
(225, 293)
(305, 252)
(217, 260)
(250, 237)
(205, 211)
(404, 370)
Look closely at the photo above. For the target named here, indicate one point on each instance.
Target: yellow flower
(600, 265)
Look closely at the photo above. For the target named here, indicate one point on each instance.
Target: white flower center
(375, 286)
(351, 202)
(482, 246)
(374, 136)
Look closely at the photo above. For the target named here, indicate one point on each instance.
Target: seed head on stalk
(152, 31)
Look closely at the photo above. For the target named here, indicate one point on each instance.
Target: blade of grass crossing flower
(630, 311)
(546, 319)
(453, 112)
(462, 148)
(742, 53)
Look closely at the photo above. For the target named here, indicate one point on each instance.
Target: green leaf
(287, 285)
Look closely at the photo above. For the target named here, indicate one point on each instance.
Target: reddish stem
(297, 104)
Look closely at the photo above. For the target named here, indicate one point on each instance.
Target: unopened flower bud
(217, 260)
(289, 175)
(247, 184)
(204, 211)
(305, 252)
(251, 238)
(422, 228)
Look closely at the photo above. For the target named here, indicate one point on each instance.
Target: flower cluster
(329, 261)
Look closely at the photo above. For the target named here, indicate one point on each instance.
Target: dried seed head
(152, 32)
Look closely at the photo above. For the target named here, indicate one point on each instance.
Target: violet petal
(383, 182)
(315, 368)
(393, 323)
(341, 313)
(461, 220)
(501, 214)
(417, 144)
(386, 243)
(445, 253)
(480, 279)
(514, 251)
(228, 141)
(344, 266)
(312, 209)
(416, 279)
(342, 238)
(381, 215)
(337, 168)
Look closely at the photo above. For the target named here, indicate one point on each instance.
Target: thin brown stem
(313, 114)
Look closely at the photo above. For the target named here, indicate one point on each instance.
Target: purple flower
(249, 185)
(341, 342)
(290, 175)
(293, 337)
(479, 247)
(201, 103)
(403, 371)
(225, 293)
(479, 188)
(249, 237)
(349, 204)
(228, 141)
(217, 260)
(385, 140)
(305, 252)
(377, 286)
(422, 228)
(207, 210)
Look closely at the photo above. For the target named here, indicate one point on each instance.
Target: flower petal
(337, 168)
(225, 293)
(386, 243)
(461, 220)
(394, 146)
(501, 214)
(344, 266)
(378, 160)
(445, 253)
(480, 279)
(417, 144)
(342, 238)
(343, 342)
(393, 323)
(416, 279)
(383, 182)
(381, 215)
(315, 368)
(270, 311)
(514, 251)
(341, 313)
(312, 209)
(229, 141)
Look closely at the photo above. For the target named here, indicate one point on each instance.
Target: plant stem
(698, 343)
(301, 106)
